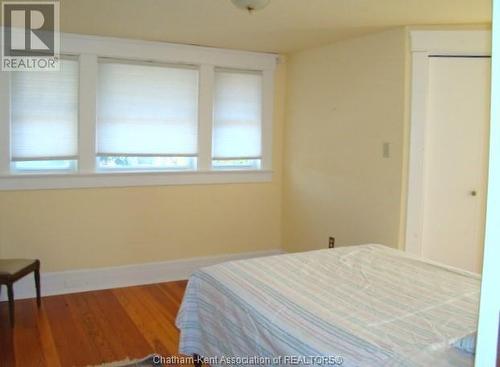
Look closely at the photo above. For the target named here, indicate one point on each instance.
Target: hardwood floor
(93, 327)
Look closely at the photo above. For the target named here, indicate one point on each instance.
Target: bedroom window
(44, 119)
(147, 116)
(134, 113)
(237, 133)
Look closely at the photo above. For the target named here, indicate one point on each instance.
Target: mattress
(366, 305)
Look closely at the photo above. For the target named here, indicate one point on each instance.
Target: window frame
(88, 49)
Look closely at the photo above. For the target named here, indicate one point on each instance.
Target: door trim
(424, 44)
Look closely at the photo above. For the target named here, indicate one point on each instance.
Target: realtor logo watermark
(30, 36)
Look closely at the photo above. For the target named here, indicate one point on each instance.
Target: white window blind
(44, 114)
(146, 110)
(237, 130)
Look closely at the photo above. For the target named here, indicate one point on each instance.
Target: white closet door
(456, 161)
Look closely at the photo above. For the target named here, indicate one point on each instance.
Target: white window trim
(425, 43)
(88, 49)
(121, 179)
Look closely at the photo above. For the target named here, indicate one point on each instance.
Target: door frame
(425, 43)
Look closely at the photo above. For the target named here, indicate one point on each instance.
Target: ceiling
(284, 26)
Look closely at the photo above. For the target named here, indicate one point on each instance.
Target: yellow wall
(86, 228)
(343, 102)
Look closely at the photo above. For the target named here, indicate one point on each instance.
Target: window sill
(40, 181)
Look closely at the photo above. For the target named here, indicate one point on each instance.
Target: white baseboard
(122, 276)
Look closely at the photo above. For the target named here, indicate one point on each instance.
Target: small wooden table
(12, 270)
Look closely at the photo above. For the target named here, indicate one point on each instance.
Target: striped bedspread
(365, 305)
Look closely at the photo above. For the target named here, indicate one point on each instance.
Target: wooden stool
(12, 270)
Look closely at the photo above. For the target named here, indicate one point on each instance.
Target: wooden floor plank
(91, 328)
(174, 289)
(27, 342)
(173, 292)
(7, 353)
(72, 343)
(126, 338)
(153, 324)
(47, 340)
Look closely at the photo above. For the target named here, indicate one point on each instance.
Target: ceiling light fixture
(251, 5)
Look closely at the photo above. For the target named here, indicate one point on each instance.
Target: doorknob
(473, 193)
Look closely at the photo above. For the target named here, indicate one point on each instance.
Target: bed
(366, 305)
